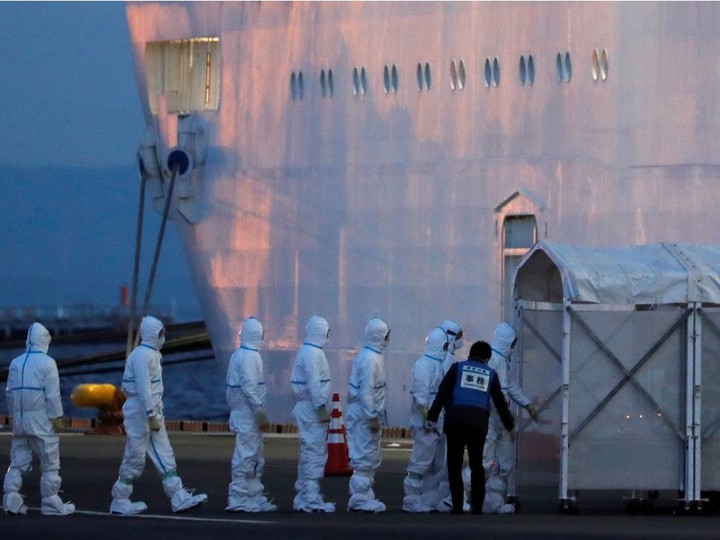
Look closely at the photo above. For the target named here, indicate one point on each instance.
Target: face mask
(458, 344)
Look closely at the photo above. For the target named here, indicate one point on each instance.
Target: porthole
(394, 79)
(331, 84)
(363, 81)
(559, 66)
(323, 84)
(523, 73)
(420, 77)
(568, 67)
(386, 78)
(453, 75)
(428, 80)
(461, 74)
(595, 65)
(564, 67)
(604, 65)
(356, 82)
(293, 86)
(531, 69)
(301, 85)
(488, 73)
(496, 72)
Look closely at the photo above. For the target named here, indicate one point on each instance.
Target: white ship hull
(402, 201)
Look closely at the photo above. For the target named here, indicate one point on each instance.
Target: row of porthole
(526, 68)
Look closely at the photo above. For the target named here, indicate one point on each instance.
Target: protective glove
(154, 423)
(262, 419)
(323, 413)
(58, 424)
(430, 426)
(424, 412)
(532, 411)
(374, 423)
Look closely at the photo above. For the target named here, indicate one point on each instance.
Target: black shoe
(478, 511)
(457, 511)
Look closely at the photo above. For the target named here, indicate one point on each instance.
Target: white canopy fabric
(651, 274)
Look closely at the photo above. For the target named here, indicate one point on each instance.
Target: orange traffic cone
(337, 463)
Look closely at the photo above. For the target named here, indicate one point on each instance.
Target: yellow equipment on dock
(108, 399)
(104, 396)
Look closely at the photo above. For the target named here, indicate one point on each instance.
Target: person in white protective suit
(245, 393)
(420, 493)
(33, 400)
(310, 382)
(144, 425)
(365, 417)
(455, 336)
(498, 454)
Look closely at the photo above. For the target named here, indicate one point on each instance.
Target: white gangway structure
(620, 349)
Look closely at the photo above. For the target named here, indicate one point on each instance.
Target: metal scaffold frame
(619, 385)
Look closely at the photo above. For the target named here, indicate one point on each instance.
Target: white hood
(503, 339)
(38, 338)
(377, 334)
(251, 334)
(316, 331)
(152, 332)
(454, 333)
(436, 343)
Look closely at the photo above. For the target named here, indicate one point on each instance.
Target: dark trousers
(460, 437)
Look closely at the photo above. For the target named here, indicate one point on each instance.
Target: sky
(67, 85)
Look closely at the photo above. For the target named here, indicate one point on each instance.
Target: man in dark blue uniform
(465, 393)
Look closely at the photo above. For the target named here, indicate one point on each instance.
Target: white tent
(618, 346)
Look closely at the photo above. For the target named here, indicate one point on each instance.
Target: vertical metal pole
(565, 425)
(693, 402)
(517, 320)
(158, 246)
(136, 267)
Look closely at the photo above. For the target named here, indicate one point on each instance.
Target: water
(194, 389)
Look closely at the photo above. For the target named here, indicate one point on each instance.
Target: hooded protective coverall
(366, 414)
(144, 425)
(245, 393)
(455, 337)
(420, 494)
(498, 454)
(33, 399)
(310, 382)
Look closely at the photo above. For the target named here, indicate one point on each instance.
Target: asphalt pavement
(90, 464)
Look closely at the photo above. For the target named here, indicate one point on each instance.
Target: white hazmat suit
(310, 382)
(499, 454)
(33, 399)
(456, 340)
(420, 493)
(145, 427)
(245, 393)
(366, 415)
(455, 336)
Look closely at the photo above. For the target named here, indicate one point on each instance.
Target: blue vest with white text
(472, 386)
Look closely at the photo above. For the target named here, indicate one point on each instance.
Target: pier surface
(90, 464)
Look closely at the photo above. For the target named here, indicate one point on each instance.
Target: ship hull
(397, 198)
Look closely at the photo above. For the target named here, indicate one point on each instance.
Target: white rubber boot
(185, 500)
(13, 504)
(53, 506)
(126, 507)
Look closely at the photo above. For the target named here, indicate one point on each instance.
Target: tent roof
(647, 274)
